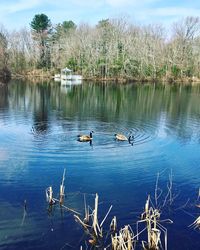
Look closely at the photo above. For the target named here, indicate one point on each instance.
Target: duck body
(85, 138)
(121, 137)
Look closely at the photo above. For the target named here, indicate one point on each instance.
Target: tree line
(112, 49)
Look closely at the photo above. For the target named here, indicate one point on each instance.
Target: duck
(85, 138)
(121, 137)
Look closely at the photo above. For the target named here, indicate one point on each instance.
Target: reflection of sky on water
(27, 231)
(161, 128)
(38, 139)
(4, 154)
(18, 227)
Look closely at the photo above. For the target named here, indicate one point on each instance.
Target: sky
(16, 14)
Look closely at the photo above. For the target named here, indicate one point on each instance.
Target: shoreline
(49, 75)
(36, 79)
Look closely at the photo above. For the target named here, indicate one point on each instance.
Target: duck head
(91, 132)
(130, 138)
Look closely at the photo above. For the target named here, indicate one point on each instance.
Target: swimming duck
(121, 137)
(85, 138)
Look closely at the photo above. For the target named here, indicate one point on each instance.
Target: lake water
(39, 124)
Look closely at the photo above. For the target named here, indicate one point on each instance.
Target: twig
(156, 189)
(106, 216)
(25, 213)
(71, 210)
(62, 188)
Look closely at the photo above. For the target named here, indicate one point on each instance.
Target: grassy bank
(41, 74)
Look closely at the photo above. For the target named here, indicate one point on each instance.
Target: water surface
(39, 124)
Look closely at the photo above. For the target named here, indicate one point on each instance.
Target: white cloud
(163, 14)
(102, 3)
(19, 6)
(127, 3)
(71, 4)
(13, 13)
(175, 11)
(119, 2)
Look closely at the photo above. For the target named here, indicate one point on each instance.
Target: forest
(113, 49)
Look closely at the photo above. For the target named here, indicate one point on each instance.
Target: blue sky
(15, 14)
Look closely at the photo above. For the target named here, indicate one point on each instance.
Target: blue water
(39, 124)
